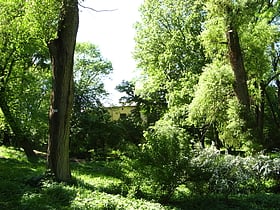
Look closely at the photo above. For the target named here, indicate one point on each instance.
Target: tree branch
(104, 10)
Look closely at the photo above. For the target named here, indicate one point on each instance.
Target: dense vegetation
(101, 185)
(209, 93)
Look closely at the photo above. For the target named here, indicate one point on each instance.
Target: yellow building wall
(118, 111)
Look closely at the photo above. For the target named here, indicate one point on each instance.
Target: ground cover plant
(95, 187)
(102, 185)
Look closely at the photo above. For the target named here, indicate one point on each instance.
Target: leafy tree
(20, 45)
(210, 104)
(90, 69)
(90, 125)
(216, 63)
(151, 108)
(168, 48)
(242, 34)
(29, 101)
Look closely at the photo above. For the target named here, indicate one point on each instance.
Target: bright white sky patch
(113, 33)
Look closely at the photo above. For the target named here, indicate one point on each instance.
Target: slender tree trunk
(237, 65)
(273, 111)
(260, 114)
(62, 56)
(22, 139)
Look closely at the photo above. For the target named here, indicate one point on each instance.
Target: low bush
(213, 172)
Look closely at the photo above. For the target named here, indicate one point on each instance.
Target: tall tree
(169, 52)
(62, 57)
(17, 47)
(90, 70)
(240, 33)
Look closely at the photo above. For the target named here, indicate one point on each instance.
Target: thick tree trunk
(22, 139)
(237, 65)
(62, 56)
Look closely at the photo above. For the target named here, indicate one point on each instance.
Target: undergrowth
(102, 185)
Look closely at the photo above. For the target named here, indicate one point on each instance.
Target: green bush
(163, 160)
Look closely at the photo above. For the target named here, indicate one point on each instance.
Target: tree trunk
(62, 56)
(237, 65)
(260, 114)
(240, 85)
(22, 139)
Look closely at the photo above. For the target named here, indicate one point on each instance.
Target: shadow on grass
(98, 168)
(260, 201)
(16, 193)
(112, 170)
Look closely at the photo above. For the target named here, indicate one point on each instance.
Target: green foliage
(97, 186)
(90, 125)
(164, 158)
(24, 75)
(100, 185)
(214, 104)
(89, 131)
(152, 108)
(213, 91)
(29, 102)
(168, 50)
(90, 69)
(43, 26)
(213, 172)
(258, 31)
(130, 130)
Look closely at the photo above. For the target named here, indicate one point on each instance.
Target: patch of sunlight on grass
(99, 181)
(102, 183)
(12, 153)
(99, 200)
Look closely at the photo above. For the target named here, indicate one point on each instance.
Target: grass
(98, 185)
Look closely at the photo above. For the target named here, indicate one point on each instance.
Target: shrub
(214, 172)
(164, 159)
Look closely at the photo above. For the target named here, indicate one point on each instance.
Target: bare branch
(104, 10)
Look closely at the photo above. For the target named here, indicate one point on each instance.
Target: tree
(90, 69)
(62, 57)
(175, 43)
(18, 45)
(151, 107)
(29, 100)
(242, 34)
(169, 52)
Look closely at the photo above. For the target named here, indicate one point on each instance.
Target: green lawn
(97, 185)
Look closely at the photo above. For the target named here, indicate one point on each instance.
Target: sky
(113, 33)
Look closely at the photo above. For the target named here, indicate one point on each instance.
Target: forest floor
(96, 185)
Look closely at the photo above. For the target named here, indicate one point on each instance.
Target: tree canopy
(209, 59)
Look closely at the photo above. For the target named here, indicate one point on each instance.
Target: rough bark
(22, 138)
(237, 65)
(62, 56)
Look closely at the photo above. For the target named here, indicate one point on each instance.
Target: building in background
(120, 112)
